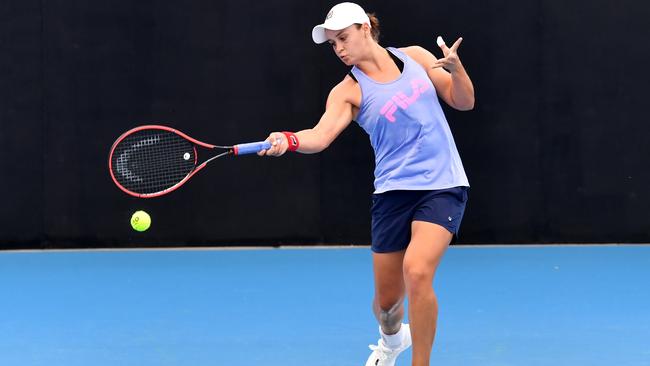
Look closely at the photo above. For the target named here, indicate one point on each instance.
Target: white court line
(313, 247)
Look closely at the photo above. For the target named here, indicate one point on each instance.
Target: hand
(451, 62)
(279, 145)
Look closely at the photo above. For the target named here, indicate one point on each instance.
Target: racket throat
(229, 152)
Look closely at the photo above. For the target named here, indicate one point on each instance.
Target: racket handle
(251, 148)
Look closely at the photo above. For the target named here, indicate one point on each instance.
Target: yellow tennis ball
(140, 221)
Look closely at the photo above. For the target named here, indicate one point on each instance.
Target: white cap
(340, 16)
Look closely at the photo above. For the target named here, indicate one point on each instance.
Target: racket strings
(151, 161)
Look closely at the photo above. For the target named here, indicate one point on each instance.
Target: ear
(366, 29)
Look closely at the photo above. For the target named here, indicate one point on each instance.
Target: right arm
(339, 112)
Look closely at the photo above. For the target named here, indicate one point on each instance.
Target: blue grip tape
(252, 147)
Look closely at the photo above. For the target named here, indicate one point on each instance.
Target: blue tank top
(414, 147)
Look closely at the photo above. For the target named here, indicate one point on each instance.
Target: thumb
(442, 45)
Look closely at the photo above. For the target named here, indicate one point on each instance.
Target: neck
(379, 65)
(377, 60)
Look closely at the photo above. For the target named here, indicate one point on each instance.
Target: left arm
(453, 86)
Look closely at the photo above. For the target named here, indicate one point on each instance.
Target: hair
(374, 26)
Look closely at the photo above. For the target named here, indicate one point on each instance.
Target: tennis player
(420, 184)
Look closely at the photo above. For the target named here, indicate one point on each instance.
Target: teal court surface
(499, 305)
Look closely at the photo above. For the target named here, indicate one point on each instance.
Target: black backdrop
(555, 149)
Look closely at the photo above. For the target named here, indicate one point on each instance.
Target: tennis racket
(150, 161)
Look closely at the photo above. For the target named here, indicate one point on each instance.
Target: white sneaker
(382, 355)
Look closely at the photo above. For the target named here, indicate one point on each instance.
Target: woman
(420, 184)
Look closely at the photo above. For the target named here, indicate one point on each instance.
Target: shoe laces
(383, 351)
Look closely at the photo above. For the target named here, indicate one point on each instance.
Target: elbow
(466, 103)
(468, 106)
(462, 102)
(464, 106)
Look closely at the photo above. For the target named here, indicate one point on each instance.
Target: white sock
(392, 340)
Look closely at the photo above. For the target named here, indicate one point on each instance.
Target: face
(350, 43)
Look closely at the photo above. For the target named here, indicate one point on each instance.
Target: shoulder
(346, 91)
(420, 54)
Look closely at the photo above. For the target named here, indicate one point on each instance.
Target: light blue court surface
(520, 306)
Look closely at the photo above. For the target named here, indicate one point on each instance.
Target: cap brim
(318, 34)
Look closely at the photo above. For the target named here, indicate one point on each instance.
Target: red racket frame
(165, 128)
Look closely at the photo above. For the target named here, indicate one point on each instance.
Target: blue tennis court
(515, 305)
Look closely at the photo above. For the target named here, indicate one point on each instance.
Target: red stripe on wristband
(294, 144)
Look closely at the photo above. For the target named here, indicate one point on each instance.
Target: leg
(388, 306)
(428, 244)
(389, 290)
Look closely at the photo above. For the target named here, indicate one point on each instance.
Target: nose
(338, 48)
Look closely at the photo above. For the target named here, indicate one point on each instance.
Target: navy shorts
(393, 212)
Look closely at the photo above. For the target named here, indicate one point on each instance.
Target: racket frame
(230, 150)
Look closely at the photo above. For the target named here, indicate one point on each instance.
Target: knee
(387, 297)
(390, 318)
(385, 304)
(417, 277)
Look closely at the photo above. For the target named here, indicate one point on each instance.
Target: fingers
(445, 63)
(450, 62)
(279, 145)
(439, 63)
(454, 47)
(446, 50)
(442, 45)
(266, 152)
